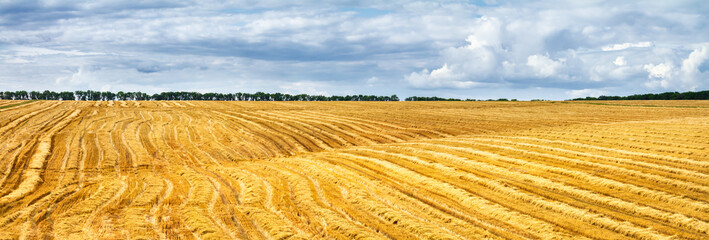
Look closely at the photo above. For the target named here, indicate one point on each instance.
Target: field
(351, 170)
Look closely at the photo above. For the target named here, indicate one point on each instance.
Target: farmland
(354, 170)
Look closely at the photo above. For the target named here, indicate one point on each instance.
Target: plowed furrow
(455, 201)
(690, 164)
(651, 180)
(295, 141)
(329, 133)
(31, 176)
(609, 162)
(576, 197)
(632, 208)
(280, 146)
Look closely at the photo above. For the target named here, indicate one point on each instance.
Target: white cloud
(623, 46)
(23, 51)
(443, 77)
(372, 81)
(662, 70)
(17, 60)
(620, 61)
(616, 71)
(543, 66)
(469, 64)
(692, 77)
(585, 93)
(680, 76)
(77, 78)
(306, 87)
(576, 46)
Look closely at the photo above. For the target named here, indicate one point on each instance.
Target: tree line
(416, 98)
(702, 95)
(90, 95)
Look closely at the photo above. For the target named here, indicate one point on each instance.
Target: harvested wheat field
(351, 170)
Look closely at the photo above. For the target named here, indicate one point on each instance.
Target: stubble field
(350, 170)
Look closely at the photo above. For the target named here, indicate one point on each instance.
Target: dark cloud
(565, 39)
(36, 14)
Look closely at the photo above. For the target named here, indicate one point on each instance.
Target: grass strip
(17, 104)
(631, 105)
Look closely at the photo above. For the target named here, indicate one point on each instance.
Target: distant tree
(66, 96)
(108, 96)
(415, 98)
(90, 95)
(34, 95)
(121, 96)
(703, 95)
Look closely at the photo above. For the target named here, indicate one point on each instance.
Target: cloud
(443, 77)
(575, 47)
(76, 78)
(543, 66)
(22, 51)
(585, 93)
(478, 60)
(662, 70)
(305, 87)
(17, 60)
(685, 75)
(620, 61)
(623, 46)
(690, 66)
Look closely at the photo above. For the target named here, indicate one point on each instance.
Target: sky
(461, 49)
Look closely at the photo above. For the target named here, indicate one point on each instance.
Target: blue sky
(463, 49)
